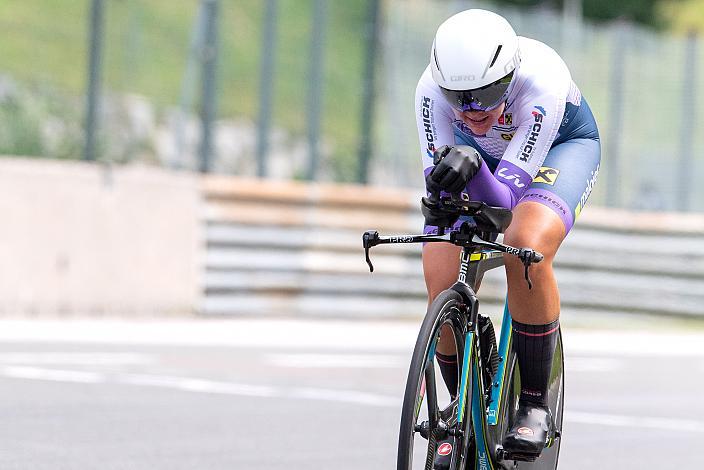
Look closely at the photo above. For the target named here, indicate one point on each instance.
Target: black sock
(448, 369)
(535, 347)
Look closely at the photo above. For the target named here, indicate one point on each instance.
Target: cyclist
(500, 119)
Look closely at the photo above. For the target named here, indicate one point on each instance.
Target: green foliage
(646, 12)
(684, 16)
(640, 11)
(20, 131)
(146, 51)
(38, 122)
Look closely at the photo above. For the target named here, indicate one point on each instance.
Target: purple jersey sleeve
(487, 188)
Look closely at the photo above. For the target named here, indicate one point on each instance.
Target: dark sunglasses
(485, 98)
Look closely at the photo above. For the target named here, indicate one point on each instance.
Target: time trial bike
(472, 424)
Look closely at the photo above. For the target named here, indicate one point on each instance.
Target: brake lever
(368, 240)
(369, 261)
(528, 257)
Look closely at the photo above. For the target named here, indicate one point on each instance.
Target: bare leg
(535, 315)
(441, 263)
(536, 226)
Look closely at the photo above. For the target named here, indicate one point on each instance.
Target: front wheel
(556, 393)
(429, 413)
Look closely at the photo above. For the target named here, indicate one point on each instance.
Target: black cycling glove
(454, 167)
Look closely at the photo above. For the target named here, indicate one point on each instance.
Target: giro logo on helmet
(460, 63)
(459, 78)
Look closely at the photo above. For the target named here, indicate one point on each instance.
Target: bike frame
(479, 254)
(481, 419)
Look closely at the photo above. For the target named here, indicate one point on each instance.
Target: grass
(145, 52)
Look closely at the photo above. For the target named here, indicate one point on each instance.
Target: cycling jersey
(544, 109)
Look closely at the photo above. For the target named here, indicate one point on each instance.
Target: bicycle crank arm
(441, 432)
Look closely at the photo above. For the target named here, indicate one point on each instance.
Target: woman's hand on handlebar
(454, 167)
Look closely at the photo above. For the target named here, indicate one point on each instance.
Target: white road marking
(593, 364)
(326, 335)
(316, 394)
(196, 385)
(77, 358)
(190, 384)
(381, 361)
(293, 360)
(34, 373)
(338, 361)
(344, 396)
(673, 424)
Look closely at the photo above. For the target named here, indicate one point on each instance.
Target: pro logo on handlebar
(403, 239)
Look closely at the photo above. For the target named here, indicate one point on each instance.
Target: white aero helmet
(474, 56)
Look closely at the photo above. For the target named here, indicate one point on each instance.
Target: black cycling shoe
(443, 454)
(527, 437)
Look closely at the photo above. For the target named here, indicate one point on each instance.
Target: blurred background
(183, 188)
(319, 90)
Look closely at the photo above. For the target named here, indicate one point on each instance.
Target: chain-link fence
(292, 89)
(642, 87)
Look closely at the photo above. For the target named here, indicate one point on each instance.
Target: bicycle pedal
(504, 455)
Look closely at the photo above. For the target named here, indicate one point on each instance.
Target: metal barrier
(288, 248)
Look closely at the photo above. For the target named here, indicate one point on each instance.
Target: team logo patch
(445, 449)
(506, 119)
(507, 136)
(524, 431)
(546, 175)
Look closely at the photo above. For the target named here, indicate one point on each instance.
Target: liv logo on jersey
(516, 178)
(532, 136)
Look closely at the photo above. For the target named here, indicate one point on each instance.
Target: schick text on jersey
(427, 124)
(532, 137)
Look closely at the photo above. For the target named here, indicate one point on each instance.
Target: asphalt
(283, 393)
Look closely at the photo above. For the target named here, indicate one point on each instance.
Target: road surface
(288, 394)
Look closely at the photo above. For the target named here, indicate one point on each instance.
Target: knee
(530, 239)
(525, 238)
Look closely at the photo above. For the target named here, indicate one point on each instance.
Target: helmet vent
(435, 57)
(496, 56)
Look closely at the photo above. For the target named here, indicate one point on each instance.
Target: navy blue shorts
(571, 166)
(567, 176)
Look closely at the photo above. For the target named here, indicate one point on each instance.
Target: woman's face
(480, 122)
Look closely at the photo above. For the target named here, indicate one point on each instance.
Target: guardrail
(289, 248)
